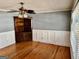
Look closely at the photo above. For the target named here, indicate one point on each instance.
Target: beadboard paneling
(7, 38)
(53, 37)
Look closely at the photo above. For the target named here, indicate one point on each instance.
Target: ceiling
(38, 6)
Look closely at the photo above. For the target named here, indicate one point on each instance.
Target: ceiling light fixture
(22, 11)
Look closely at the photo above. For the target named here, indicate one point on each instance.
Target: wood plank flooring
(35, 50)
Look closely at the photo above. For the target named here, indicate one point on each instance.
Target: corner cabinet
(23, 31)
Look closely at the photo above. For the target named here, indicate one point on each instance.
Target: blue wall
(45, 21)
(52, 21)
(6, 22)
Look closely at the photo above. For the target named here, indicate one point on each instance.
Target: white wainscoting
(61, 38)
(7, 38)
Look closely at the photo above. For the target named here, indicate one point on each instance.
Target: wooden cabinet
(23, 31)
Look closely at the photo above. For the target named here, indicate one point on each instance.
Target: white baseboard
(61, 38)
(7, 38)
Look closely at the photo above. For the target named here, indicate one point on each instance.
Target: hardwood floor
(35, 50)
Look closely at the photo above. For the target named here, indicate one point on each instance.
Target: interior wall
(6, 22)
(61, 38)
(52, 28)
(7, 38)
(52, 21)
(45, 21)
(58, 21)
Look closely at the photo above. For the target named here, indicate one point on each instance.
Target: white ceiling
(38, 5)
